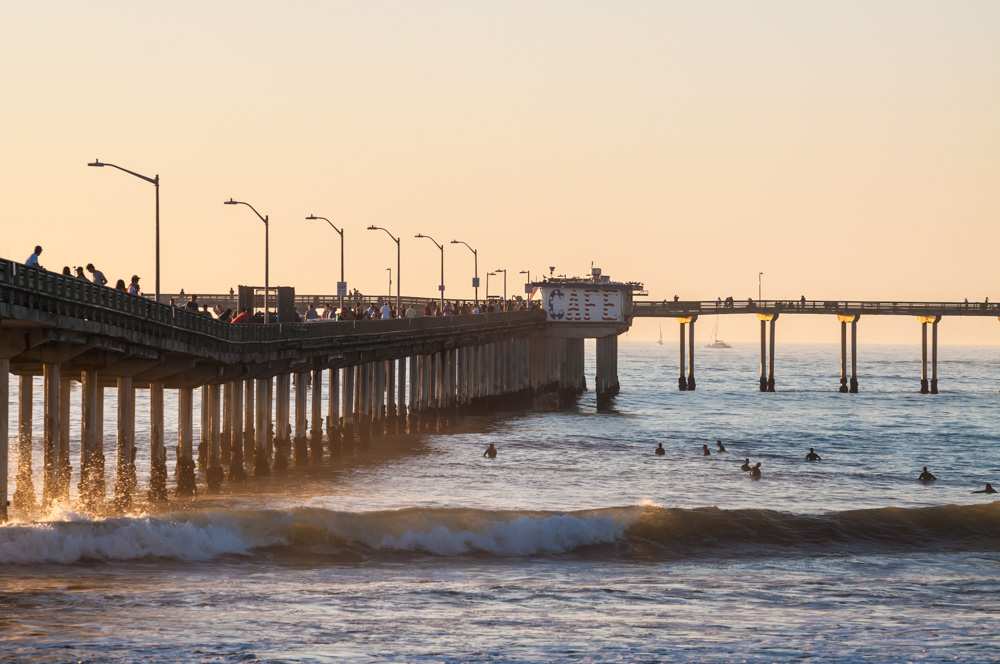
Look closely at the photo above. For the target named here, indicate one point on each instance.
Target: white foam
(119, 539)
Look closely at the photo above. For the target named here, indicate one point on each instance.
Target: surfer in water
(927, 476)
(491, 452)
(755, 471)
(812, 456)
(704, 451)
(720, 447)
(659, 451)
(989, 489)
(746, 465)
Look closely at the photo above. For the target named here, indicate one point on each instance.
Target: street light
(388, 293)
(398, 278)
(760, 275)
(488, 275)
(504, 270)
(475, 263)
(341, 285)
(267, 252)
(155, 181)
(526, 283)
(441, 249)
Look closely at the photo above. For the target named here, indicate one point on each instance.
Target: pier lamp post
(341, 285)
(155, 181)
(498, 271)
(475, 267)
(760, 276)
(388, 293)
(398, 277)
(267, 252)
(528, 278)
(488, 275)
(441, 249)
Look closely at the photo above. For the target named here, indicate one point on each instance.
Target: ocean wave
(631, 532)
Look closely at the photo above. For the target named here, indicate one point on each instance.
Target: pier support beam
(262, 406)
(65, 470)
(347, 404)
(53, 432)
(4, 435)
(845, 385)
(401, 390)
(690, 326)
(934, 354)
(390, 389)
(237, 469)
(333, 410)
(854, 355)
(157, 450)
(24, 494)
(184, 470)
(125, 481)
(767, 351)
(928, 386)
(682, 384)
(249, 425)
(316, 431)
(262, 462)
(214, 473)
(607, 368)
(92, 488)
(301, 442)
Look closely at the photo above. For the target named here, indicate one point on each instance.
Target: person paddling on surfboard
(989, 489)
(746, 465)
(812, 456)
(927, 476)
(491, 452)
(659, 451)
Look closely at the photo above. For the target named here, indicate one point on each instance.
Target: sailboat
(718, 343)
(660, 340)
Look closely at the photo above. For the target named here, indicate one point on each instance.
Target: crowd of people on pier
(355, 308)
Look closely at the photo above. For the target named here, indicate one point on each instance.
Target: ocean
(576, 544)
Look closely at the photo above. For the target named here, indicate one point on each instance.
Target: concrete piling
(237, 468)
(300, 444)
(52, 387)
(333, 425)
(691, 385)
(214, 473)
(157, 450)
(24, 494)
(65, 464)
(249, 425)
(4, 436)
(316, 429)
(125, 479)
(184, 470)
(261, 462)
(92, 487)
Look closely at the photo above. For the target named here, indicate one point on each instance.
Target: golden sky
(846, 149)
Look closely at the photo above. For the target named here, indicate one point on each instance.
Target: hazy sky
(846, 149)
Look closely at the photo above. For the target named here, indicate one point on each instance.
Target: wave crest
(632, 532)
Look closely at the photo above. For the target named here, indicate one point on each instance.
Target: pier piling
(184, 470)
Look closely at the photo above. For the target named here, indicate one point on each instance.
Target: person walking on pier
(491, 452)
(812, 456)
(33, 258)
(659, 451)
(927, 476)
(989, 489)
(96, 275)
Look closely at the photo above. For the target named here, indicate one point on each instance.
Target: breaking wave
(632, 532)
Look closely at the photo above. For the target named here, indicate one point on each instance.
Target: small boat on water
(718, 343)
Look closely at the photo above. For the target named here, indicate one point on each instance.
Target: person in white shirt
(386, 311)
(33, 258)
(411, 311)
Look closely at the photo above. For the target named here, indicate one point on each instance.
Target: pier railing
(48, 294)
(681, 308)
